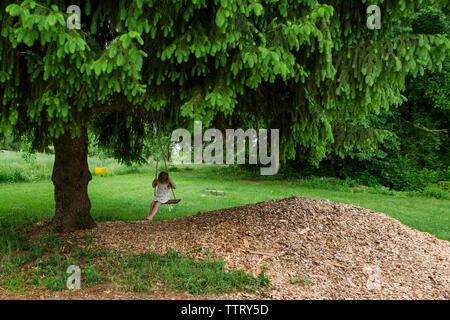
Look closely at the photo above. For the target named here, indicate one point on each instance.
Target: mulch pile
(341, 251)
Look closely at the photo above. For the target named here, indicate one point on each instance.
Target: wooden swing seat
(172, 201)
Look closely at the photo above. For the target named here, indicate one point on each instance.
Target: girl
(162, 195)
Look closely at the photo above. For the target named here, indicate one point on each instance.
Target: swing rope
(171, 201)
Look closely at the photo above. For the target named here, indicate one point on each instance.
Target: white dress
(162, 193)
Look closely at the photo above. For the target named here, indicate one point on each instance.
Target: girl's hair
(163, 177)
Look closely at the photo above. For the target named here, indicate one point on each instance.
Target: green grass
(25, 167)
(38, 264)
(139, 272)
(127, 196)
(27, 264)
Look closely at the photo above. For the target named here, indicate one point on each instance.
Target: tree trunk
(70, 177)
(167, 152)
(333, 166)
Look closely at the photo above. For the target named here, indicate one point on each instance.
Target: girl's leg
(151, 208)
(154, 210)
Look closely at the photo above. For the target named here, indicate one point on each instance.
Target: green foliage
(10, 143)
(184, 273)
(329, 183)
(304, 279)
(293, 65)
(92, 276)
(435, 192)
(430, 20)
(14, 167)
(11, 239)
(406, 147)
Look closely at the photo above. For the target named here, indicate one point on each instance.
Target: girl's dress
(162, 193)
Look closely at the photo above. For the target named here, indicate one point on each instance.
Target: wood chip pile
(338, 251)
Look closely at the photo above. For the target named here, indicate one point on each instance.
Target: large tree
(293, 65)
(413, 139)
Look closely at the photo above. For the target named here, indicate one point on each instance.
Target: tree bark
(167, 153)
(333, 166)
(70, 177)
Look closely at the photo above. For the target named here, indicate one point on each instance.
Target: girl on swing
(162, 195)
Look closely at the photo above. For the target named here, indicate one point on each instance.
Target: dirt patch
(338, 251)
(106, 291)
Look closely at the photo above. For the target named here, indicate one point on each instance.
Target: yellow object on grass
(100, 171)
(444, 185)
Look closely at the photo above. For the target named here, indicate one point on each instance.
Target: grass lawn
(125, 194)
(127, 197)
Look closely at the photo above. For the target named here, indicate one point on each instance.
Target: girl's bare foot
(148, 219)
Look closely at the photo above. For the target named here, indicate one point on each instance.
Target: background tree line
(399, 144)
(412, 145)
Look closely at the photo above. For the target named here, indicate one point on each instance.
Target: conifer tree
(293, 65)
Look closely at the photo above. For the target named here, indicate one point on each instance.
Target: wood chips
(338, 251)
(345, 252)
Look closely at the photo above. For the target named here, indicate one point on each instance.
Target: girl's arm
(154, 183)
(172, 184)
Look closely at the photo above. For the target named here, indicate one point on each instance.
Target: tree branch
(113, 107)
(433, 131)
(81, 91)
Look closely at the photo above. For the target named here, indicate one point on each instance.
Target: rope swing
(171, 201)
(156, 124)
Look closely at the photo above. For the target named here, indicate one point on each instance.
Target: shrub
(435, 192)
